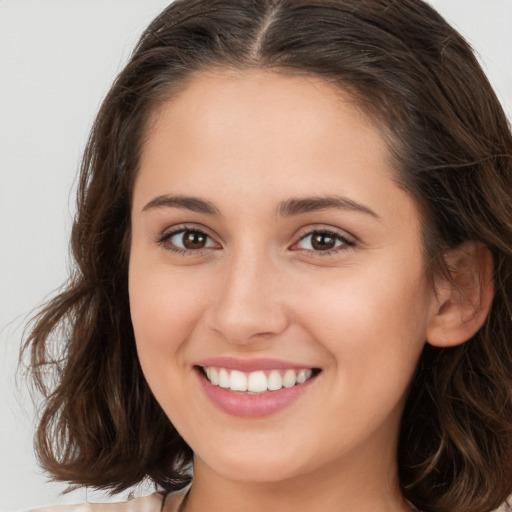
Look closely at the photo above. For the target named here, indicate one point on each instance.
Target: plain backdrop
(57, 61)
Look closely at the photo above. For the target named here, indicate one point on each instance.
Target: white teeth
(214, 376)
(303, 376)
(274, 381)
(237, 381)
(223, 378)
(258, 381)
(289, 378)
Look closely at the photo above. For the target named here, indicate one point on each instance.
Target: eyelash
(166, 237)
(345, 244)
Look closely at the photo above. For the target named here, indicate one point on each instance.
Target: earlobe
(463, 301)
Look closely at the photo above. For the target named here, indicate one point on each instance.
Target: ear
(464, 300)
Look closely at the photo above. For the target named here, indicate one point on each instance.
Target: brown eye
(323, 241)
(194, 240)
(188, 240)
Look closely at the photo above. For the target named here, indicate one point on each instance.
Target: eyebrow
(297, 206)
(288, 208)
(188, 203)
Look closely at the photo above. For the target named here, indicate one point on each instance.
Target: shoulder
(151, 503)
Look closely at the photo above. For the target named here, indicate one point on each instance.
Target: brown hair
(414, 74)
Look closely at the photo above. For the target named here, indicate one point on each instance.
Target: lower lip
(252, 406)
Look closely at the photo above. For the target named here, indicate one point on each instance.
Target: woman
(294, 252)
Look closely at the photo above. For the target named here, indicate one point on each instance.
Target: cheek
(165, 307)
(375, 337)
(370, 319)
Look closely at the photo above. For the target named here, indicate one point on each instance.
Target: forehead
(256, 120)
(215, 96)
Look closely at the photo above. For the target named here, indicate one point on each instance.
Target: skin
(246, 143)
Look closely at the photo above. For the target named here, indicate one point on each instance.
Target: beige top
(152, 503)
(156, 502)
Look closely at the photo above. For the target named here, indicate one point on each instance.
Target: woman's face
(271, 245)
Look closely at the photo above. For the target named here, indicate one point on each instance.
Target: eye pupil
(194, 240)
(323, 241)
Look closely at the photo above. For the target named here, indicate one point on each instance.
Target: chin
(256, 465)
(251, 472)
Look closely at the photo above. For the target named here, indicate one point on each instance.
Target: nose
(249, 305)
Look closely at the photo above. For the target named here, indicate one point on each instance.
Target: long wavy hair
(418, 80)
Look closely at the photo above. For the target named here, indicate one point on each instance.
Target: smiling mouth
(257, 382)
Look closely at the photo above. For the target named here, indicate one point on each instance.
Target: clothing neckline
(176, 500)
(183, 494)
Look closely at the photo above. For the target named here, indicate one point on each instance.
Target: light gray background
(57, 60)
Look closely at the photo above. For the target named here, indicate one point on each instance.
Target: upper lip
(250, 365)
